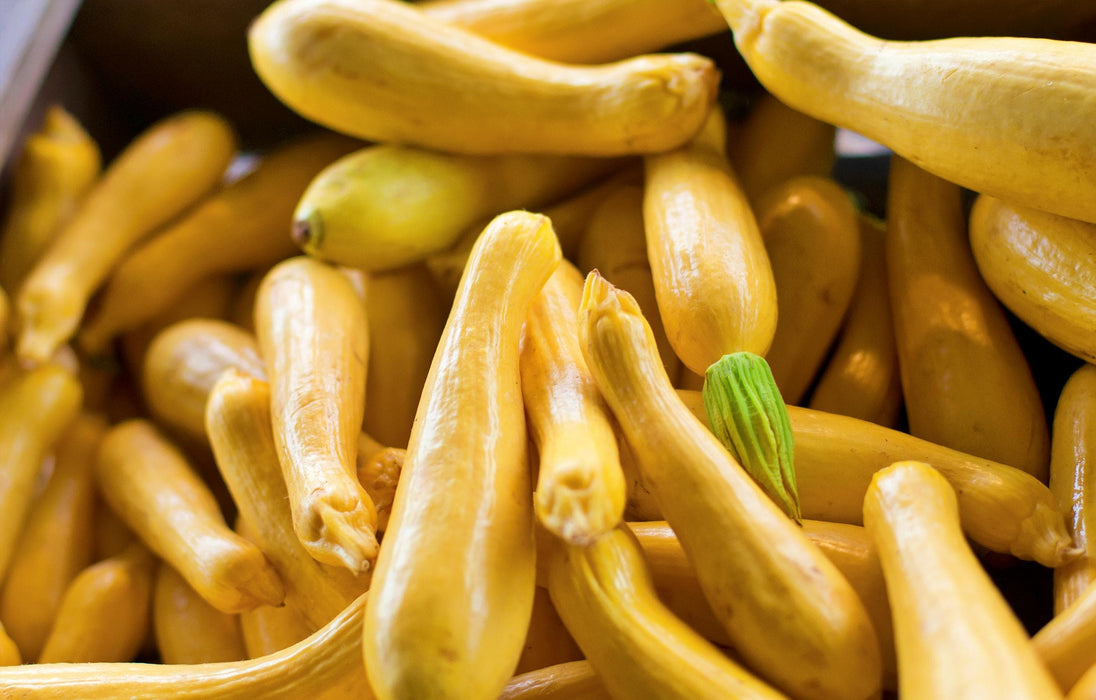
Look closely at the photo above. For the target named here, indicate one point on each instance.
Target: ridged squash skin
(1010, 117)
(453, 589)
(383, 70)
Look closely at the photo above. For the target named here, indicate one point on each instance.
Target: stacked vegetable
(505, 429)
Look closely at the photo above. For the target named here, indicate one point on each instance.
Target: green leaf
(748, 415)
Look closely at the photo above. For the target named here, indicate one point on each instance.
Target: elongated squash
(605, 597)
(167, 168)
(580, 489)
(1066, 644)
(574, 680)
(713, 280)
(812, 239)
(1042, 267)
(56, 542)
(149, 484)
(36, 406)
(453, 589)
(58, 164)
(970, 110)
(188, 629)
(547, 641)
(1002, 508)
(240, 433)
(267, 630)
(1072, 476)
(314, 339)
(245, 226)
(790, 613)
(956, 635)
(328, 661)
(105, 613)
(861, 378)
(965, 379)
(385, 71)
(581, 31)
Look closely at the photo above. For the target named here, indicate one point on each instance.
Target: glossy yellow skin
(326, 665)
(1073, 480)
(713, 281)
(812, 238)
(1066, 644)
(861, 378)
(790, 613)
(149, 484)
(167, 168)
(36, 406)
(1042, 267)
(615, 244)
(104, 614)
(59, 163)
(547, 641)
(970, 110)
(245, 226)
(581, 31)
(188, 629)
(955, 633)
(390, 205)
(849, 547)
(777, 143)
(453, 590)
(580, 490)
(574, 680)
(966, 382)
(314, 339)
(406, 315)
(55, 543)
(183, 363)
(385, 71)
(239, 426)
(605, 596)
(1003, 508)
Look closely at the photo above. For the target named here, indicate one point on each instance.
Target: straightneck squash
(1010, 117)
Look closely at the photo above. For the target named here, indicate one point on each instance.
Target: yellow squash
(713, 280)
(405, 315)
(326, 665)
(973, 111)
(574, 680)
(1042, 267)
(267, 629)
(188, 629)
(385, 71)
(243, 227)
(547, 641)
(955, 633)
(1067, 644)
(861, 378)
(314, 339)
(1072, 477)
(58, 164)
(56, 541)
(389, 205)
(149, 484)
(453, 591)
(1003, 508)
(169, 167)
(239, 425)
(581, 31)
(9, 652)
(812, 237)
(183, 363)
(638, 648)
(36, 406)
(379, 470)
(615, 244)
(104, 614)
(792, 616)
(777, 143)
(965, 379)
(580, 490)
